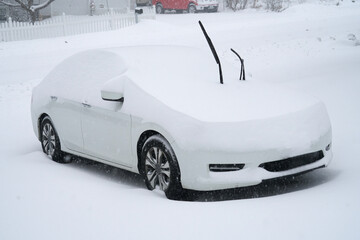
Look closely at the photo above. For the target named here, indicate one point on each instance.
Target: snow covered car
(179, 129)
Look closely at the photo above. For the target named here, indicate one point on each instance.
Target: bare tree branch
(28, 6)
(9, 4)
(23, 5)
(41, 6)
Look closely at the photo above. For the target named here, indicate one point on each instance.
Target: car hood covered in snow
(187, 80)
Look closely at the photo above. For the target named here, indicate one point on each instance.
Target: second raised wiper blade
(242, 71)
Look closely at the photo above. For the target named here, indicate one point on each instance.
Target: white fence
(70, 25)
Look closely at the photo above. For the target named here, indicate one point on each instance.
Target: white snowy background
(313, 48)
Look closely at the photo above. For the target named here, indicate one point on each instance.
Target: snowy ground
(306, 47)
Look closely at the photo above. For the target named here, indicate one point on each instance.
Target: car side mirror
(113, 90)
(112, 96)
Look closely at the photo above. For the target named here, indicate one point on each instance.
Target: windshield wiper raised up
(242, 71)
(211, 45)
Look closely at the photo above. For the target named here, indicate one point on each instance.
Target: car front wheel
(192, 9)
(50, 142)
(160, 167)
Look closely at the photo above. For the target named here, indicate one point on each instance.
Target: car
(192, 6)
(161, 112)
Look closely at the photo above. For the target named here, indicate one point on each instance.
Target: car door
(167, 4)
(107, 131)
(66, 116)
(182, 4)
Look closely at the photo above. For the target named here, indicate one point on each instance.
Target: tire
(160, 167)
(215, 9)
(50, 142)
(159, 8)
(192, 8)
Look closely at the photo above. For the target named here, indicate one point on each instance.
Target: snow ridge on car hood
(187, 80)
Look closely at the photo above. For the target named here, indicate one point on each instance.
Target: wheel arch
(39, 121)
(140, 143)
(144, 134)
(191, 4)
(175, 190)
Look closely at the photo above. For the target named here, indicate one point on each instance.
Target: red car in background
(192, 6)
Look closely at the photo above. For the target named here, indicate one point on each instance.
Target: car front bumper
(253, 175)
(207, 7)
(200, 177)
(297, 142)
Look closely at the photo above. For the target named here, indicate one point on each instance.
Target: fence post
(112, 19)
(136, 17)
(63, 18)
(11, 29)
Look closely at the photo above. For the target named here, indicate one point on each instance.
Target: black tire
(159, 8)
(159, 167)
(50, 142)
(192, 8)
(215, 9)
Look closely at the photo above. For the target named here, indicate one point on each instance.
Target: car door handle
(86, 105)
(53, 98)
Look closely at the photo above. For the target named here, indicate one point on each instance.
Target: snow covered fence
(69, 25)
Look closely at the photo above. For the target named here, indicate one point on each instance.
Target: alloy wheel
(48, 139)
(157, 168)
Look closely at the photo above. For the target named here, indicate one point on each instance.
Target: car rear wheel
(192, 9)
(160, 167)
(159, 8)
(50, 142)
